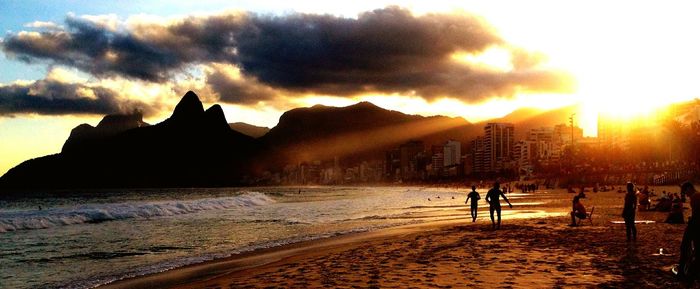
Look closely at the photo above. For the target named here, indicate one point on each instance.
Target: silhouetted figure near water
(492, 197)
(474, 195)
(629, 212)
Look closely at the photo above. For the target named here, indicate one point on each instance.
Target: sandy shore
(525, 253)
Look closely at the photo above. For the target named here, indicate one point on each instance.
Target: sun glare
(495, 58)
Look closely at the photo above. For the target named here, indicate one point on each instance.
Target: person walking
(474, 196)
(493, 198)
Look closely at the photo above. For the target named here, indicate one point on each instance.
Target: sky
(63, 63)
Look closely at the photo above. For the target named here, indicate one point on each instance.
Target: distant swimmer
(428, 199)
(492, 197)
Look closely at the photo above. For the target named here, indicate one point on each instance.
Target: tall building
(412, 155)
(499, 139)
(613, 132)
(541, 134)
(392, 164)
(562, 134)
(476, 159)
(524, 152)
(547, 143)
(437, 163)
(452, 153)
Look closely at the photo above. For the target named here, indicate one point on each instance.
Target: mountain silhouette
(193, 147)
(249, 129)
(526, 119)
(353, 133)
(198, 148)
(85, 135)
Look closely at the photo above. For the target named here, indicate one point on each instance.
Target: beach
(529, 252)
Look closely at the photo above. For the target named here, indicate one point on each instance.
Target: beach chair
(589, 217)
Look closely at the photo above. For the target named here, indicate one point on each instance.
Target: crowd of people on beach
(634, 199)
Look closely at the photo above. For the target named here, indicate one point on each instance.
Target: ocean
(82, 239)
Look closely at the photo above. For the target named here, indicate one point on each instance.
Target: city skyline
(521, 62)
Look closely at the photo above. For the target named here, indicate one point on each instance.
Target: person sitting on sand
(493, 198)
(644, 201)
(474, 195)
(629, 212)
(676, 214)
(664, 203)
(577, 211)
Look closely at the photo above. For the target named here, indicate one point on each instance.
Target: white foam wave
(95, 213)
(97, 281)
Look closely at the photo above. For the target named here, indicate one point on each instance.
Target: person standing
(691, 234)
(475, 197)
(492, 197)
(629, 212)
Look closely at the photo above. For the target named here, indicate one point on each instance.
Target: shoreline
(533, 251)
(260, 257)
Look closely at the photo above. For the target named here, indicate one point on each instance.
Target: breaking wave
(96, 213)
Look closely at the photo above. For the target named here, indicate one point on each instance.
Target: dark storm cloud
(386, 50)
(94, 48)
(53, 98)
(237, 90)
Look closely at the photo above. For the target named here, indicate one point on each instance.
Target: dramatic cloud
(229, 85)
(382, 51)
(55, 96)
(94, 48)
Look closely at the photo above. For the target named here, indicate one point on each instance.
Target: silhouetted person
(692, 230)
(577, 210)
(644, 201)
(629, 211)
(676, 214)
(475, 197)
(492, 197)
(664, 203)
(582, 193)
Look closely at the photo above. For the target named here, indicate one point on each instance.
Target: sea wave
(96, 213)
(96, 281)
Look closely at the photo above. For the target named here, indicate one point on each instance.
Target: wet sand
(525, 253)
